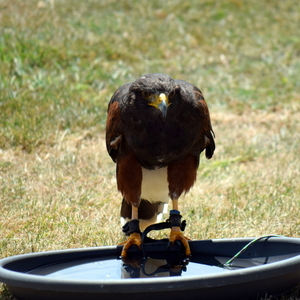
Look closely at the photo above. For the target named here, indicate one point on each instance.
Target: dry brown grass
(65, 196)
(58, 197)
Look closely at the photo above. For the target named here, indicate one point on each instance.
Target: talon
(133, 239)
(177, 235)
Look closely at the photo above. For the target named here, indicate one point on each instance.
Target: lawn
(61, 61)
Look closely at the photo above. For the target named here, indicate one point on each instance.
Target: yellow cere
(156, 100)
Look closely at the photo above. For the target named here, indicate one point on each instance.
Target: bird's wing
(114, 128)
(208, 131)
(192, 93)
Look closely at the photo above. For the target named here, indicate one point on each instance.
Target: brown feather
(129, 176)
(182, 175)
(113, 130)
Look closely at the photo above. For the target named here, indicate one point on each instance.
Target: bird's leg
(129, 180)
(175, 204)
(134, 212)
(176, 226)
(132, 229)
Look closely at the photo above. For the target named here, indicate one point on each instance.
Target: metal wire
(227, 264)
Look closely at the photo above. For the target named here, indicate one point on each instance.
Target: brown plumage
(156, 129)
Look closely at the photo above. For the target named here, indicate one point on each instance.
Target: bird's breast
(157, 142)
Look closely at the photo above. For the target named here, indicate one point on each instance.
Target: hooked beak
(161, 102)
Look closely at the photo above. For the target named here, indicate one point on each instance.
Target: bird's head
(157, 90)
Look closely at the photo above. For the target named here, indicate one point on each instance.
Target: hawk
(156, 129)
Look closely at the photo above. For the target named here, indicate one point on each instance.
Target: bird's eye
(172, 94)
(146, 94)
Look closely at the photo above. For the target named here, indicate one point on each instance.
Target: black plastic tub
(269, 266)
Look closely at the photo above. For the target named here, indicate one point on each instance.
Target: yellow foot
(176, 235)
(133, 239)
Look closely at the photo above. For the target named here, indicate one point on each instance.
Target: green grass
(60, 62)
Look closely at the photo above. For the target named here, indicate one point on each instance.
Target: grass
(60, 62)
